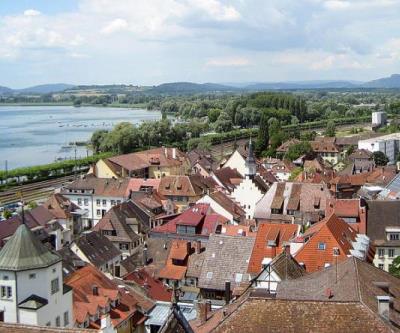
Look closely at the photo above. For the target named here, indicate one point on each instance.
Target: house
(237, 161)
(359, 161)
(31, 283)
(195, 223)
(284, 147)
(123, 227)
(154, 288)
(43, 224)
(346, 186)
(96, 196)
(327, 149)
(383, 229)
(67, 214)
(202, 162)
(152, 163)
(282, 170)
(271, 240)
(281, 268)
(100, 303)
(352, 211)
(222, 204)
(328, 242)
(195, 263)
(352, 297)
(151, 255)
(225, 266)
(174, 271)
(182, 190)
(96, 249)
(226, 179)
(301, 203)
(252, 188)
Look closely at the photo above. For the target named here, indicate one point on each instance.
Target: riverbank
(113, 105)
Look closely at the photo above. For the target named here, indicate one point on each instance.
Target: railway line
(34, 191)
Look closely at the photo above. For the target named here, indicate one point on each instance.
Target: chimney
(144, 256)
(227, 292)
(105, 321)
(198, 247)
(95, 290)
(203, 308)
(287, 249)
(189, 247)
(383, 306)
(174, 153)
(166, 152)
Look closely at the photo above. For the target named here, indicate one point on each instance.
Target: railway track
(34, 191)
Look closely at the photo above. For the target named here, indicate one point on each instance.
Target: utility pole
(75, 162)
(6, 168)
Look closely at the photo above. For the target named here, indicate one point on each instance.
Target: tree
(380, 158)
(213, 115)
(223, 123)
(263, 135)
(97, 138)
(330, 129)
(77, 102)
(394, 268)
(7, 214)
(297, 150)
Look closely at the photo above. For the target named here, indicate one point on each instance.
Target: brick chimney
(227, 292)
(203, 308)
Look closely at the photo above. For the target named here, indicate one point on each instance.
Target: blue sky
(154, 41)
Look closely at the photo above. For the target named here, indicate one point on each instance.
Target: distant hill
(301, 85)
(386, 83)
(190, 87)
(5, 90)
(46, 88)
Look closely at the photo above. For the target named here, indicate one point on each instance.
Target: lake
(32, 135)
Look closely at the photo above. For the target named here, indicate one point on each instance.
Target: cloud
(228, 62)
(337, 61)
(336, 4)
(116, 25)
(31, 12)
(216, 10)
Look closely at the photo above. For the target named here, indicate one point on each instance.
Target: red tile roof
(154, 288)
(85, 302)
(279, 233)
(334, 233)
(200, 216)
(180, 250)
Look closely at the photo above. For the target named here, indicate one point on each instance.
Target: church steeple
(250, 162)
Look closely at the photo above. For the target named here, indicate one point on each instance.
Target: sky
(148, 42)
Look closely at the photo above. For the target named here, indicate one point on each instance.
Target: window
(112, 202)
(58, 321)
(394, 236)
(6, 292)
(380, 266)
(48, 323)
(321, 246)
(32, 276)
(98, 212)
(79, 202)
(123, 246)
(86, 202)
(54, 286)
(66, 318)
(391, 253)
(104, 202)
(98, 202)
(381, 253)
(3, 292)
(118, 202)
(209, 275)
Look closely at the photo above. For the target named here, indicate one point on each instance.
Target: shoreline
(121, 106)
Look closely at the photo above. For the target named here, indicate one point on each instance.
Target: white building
(31, 283)
(379, 119)
(387, 144)
(96, 196)
(236, 161)
(387, 250)
(252, 188)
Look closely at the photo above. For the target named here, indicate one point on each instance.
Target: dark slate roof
(24, 251)
(70, 261)
(97, 248)
(33, 302)
(352, 280)
(226, 259)
(381, 214)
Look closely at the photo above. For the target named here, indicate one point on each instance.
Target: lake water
(32, 135)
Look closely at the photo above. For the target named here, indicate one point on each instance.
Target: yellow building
(153, 163)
